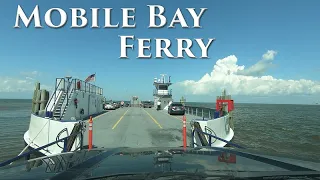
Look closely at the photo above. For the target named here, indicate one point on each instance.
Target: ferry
(73, 101)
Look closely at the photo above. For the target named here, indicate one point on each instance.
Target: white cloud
(269, 55)
(239, 80)
(20, 84)
(29, 78)
(9, 84)
(31, 74)
(261, 66)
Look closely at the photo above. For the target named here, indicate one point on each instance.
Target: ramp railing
(203, 112)
(223, 107)
(55, 95)
(86, 87)
(197, 131)
(67, 146)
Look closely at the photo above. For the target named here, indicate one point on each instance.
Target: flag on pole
(92, 77)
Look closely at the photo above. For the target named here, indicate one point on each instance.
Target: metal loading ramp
(137, 127)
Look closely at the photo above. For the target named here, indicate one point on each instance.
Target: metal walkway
(137, 127)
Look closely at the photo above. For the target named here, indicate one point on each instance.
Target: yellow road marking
(115, 125)
(155, 121)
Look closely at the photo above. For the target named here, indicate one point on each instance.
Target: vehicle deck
(138, 127)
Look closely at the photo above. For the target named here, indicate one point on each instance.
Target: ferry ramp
(137, 127)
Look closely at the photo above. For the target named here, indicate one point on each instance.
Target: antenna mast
(163, 77)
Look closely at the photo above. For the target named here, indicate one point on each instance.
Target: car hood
(101, 162)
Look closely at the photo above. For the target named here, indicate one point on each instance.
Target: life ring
(58, 137)
(210, 131)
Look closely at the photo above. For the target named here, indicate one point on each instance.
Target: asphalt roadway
(138, 127)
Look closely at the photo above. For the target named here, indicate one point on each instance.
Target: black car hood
(102, 162)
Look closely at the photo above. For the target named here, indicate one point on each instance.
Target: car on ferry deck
(147, 104)
(176, 108)
(116, 105)
(109, 106)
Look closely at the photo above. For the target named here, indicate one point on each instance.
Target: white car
(109, 107)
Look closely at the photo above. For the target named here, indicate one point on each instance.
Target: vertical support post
(67, 91)
(192, 138)
(90, 133)
(81, 141)
(202, 113)
(196, 111)
(184, 132)
(65, 145)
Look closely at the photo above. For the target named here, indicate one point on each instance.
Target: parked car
(147, 104)
(109, 106)
(176, 108)
(116, 105)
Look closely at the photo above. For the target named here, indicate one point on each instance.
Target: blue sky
(246, 29)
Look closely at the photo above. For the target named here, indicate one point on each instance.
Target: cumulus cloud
(9, 84)
(239, 80)
(261, 66)
(20, 84)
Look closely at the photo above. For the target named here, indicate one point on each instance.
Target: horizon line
(198, 102)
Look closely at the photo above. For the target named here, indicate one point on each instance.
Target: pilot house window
(163, 87)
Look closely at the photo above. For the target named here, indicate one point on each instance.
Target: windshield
(76, 77)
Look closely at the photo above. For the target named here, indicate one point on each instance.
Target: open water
(292, 130)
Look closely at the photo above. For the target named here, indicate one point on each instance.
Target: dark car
(147, 104)
(117, 105)
(176, 108)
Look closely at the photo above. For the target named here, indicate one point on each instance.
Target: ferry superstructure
(72, 102)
